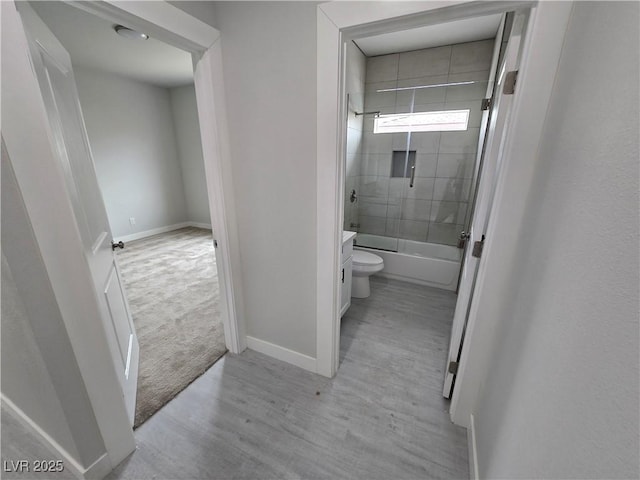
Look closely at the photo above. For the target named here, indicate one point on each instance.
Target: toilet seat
(365, 263)
(366, 259)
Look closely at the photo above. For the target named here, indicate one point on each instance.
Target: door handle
(413, 176)
(115, 245)
(343, 275)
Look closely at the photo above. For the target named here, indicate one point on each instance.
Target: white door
(52, 67)
(498, 120)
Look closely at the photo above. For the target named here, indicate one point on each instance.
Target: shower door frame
(341, 22)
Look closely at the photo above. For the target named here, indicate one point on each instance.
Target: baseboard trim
(55, 448)
(151, 232)
(157, 231)
(96, 471)
(206, 226)
(99, 469)
(473, 453)
(280, 353)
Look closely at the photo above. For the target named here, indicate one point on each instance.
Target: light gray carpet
(172, 287)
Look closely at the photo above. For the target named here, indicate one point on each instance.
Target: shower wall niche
(433, 205)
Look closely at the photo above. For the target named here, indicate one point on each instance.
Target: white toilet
(364, 264)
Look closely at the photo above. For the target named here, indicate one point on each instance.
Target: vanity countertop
(348, 236)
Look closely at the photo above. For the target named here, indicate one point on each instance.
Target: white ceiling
(460, 31)
(92, 42)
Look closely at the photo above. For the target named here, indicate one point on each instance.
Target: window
(439, 121)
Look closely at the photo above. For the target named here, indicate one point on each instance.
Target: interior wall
(132, 136)
(40, 374)
(200, 9)
(269, 55)
(435, 209)
(184, 110)
(25, 380)
(355, 66)
(561, 396)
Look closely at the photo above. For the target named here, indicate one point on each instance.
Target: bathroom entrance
(425, 111)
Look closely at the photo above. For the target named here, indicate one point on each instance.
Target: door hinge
(462, 239)
(477, 248)
(215, 243)
(453, 368)
(486, 103)
(510, 82)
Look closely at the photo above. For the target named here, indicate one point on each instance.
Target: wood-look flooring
(381, 417)
(253, 417)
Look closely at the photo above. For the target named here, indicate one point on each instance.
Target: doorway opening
(139, 105)
(424, 113)
(74, 237)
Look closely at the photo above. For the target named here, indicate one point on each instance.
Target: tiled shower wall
(435, 209)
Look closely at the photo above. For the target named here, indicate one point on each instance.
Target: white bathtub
(416, 262)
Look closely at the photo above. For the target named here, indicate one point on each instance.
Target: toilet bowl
(364, 264)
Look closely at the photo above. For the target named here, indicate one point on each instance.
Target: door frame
(49, 207)
(339, 22)
(171, 25)
(484, 161)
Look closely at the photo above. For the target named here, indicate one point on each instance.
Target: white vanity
(346, 270)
